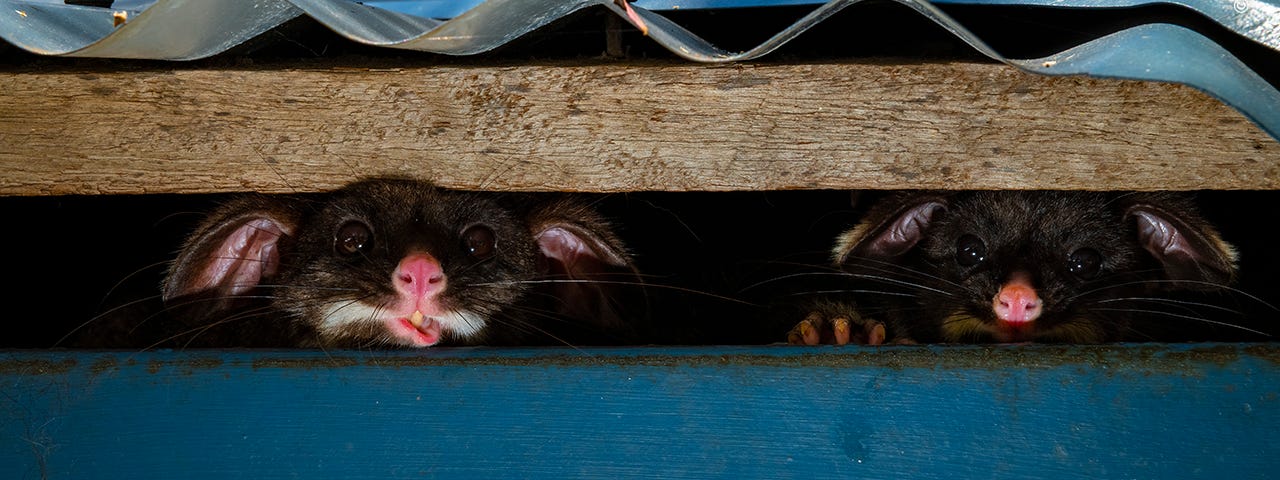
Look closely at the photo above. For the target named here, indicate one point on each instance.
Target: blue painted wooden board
(1141, 411)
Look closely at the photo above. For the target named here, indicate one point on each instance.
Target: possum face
(1032, 266)
(395, 262)
(388, 263)
(1023, 265)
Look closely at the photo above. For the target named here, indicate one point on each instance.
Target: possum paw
(827, 328)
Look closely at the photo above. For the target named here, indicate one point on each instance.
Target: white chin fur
(462, 324)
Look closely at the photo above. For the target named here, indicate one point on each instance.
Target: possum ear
(1186, 245)
(233, 250)
(892, 228)
(578, 246)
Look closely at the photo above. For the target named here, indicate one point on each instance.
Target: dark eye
(1084, 263)
(970, 251)
(353, 237)
(479, 241)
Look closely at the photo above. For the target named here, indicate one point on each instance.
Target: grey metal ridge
(1160, 52)
(165, 30)
(1257, 20)
(484, 27)
(190, 29)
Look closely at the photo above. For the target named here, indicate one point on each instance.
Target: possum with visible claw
(396, 263)
(1026, 266)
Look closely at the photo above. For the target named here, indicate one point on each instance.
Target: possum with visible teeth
(1024, 266)
(395, 263)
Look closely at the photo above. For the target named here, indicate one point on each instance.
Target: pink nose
(1017, 301)
(419, 275)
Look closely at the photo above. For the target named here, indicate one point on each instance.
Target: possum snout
(1017, 302)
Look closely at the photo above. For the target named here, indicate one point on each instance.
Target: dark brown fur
(525, 296)
(907, 278)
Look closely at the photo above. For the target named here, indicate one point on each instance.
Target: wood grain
(617, 127)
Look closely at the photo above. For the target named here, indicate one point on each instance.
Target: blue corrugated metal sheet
(188, 29)
(1137, 411)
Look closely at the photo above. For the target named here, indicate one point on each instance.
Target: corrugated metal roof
(191, 29)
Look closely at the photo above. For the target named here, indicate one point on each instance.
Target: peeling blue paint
(1145, 411)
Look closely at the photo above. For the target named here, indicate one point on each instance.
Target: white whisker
(1185, 317)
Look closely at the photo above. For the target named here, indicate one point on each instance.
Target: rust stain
(1109, 360)
(1103, 359)
(190, 366)
(184, 366)
(1218, 355)
(1263, 351)
(305, 363)
(103, 365)
(36, 366)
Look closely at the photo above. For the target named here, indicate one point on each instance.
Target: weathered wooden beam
(612, 127)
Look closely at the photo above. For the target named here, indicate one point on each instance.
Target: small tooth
(416, 319)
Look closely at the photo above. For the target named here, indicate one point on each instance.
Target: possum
(1026, 266)
(395, 263)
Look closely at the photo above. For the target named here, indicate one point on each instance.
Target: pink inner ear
(1162, 239)
(243, 259)
(905, 231)
(573, 253)
(1185, 252)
